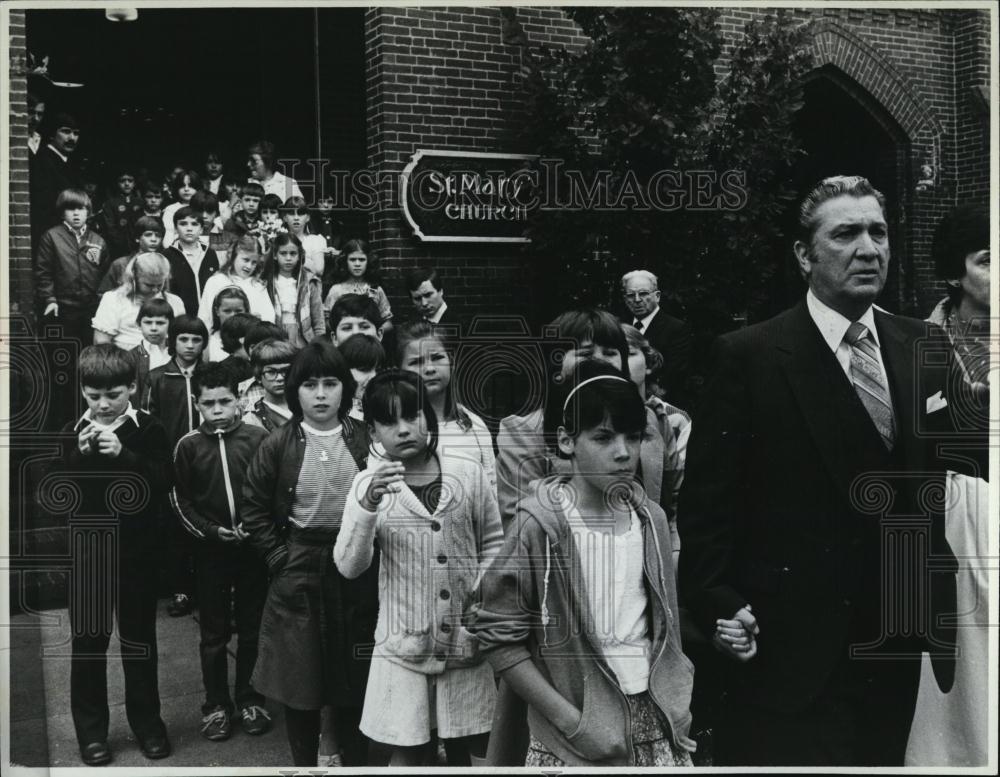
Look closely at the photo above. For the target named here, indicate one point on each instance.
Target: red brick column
(19, 276)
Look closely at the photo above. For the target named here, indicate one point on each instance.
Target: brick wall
(972, 83)
(922, 68)
(19, 225)
(449, 79)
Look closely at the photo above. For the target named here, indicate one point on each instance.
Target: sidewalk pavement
(41, 725)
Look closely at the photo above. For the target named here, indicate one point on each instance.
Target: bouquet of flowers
(270, 229)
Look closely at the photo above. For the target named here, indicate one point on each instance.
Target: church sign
(468, 196)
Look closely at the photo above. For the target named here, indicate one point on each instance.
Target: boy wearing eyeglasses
(271, 360)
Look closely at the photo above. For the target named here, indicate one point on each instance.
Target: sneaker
(255, 719)
(333, 761)
(215, 726)
(180, 605)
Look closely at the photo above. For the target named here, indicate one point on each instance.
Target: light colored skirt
(402, 706)
(651, 744)
(951, 729)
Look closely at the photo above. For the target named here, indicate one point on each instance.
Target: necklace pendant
(323, 456)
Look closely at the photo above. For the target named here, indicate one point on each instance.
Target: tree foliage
(642, 98)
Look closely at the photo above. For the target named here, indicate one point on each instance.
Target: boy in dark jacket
(210, 464)
(191, 263)
(119, 213)
(69, 266)
(170, 398)
(117, 460)
(154, 320)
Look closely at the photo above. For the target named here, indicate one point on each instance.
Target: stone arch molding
(835, 45)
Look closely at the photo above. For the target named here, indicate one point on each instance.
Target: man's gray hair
(644, 274)
(828, 189)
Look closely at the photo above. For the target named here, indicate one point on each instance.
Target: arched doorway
(845, 131)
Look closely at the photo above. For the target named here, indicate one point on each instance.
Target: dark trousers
(862, 718)
(64, 338)
(303, 727)
(221, 569)
(177, 547)
(102, 584)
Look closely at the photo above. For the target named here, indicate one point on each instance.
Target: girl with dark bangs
(528, 451)
(317, 626)
(435, 518)
(587, 565)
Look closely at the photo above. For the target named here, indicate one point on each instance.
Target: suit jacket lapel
(898, 357)
(809, 365)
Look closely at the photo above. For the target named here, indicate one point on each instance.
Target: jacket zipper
(613, 681)
(663, 644)
(225, 477)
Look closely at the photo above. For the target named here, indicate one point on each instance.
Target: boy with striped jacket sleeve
(210, 463)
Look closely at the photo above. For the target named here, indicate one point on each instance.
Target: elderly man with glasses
(668, 335)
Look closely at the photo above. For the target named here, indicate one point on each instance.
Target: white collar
(130, 412)
(832, 325)
(645, 321)
(58, 153)
(151, 347)
(318, 433)
(286, 413)
(436, 318)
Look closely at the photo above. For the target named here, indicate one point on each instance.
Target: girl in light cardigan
(438, 528)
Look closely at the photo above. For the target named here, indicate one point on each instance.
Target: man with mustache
(812, 551)
(52, 171)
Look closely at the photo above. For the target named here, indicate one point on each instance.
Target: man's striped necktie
(869, 381)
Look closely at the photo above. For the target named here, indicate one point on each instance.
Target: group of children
(333, 498)
(351, 515)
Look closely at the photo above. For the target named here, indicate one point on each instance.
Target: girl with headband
(579, 613)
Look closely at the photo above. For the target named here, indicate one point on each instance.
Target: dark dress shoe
(154, 747)
(96, 754)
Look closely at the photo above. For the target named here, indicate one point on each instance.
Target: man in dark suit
(52, 170)
(668, 335)
(813, 551)
(427, 293)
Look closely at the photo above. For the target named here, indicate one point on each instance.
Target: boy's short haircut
(185, 325)
(205, 201)
(261, 331)
(252, 188)
(356, 306)
(149, 224)
(362, 352)
(105, 366)
(152, 187)
(416, 278)
(124, 168)
(234, 329)
(272, 351)
(186, 212)
(271, 202)
(157, 307)
(215, 375)
(71, 199)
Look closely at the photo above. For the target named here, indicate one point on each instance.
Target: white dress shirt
(645, 321)
(833, 326)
